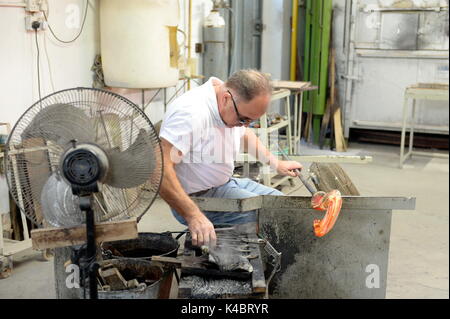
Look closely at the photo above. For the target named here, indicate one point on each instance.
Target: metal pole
(294, 40)
(189, 43)
(402, 140)
(91, 251)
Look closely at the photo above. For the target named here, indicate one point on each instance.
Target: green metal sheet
(307, 68)
(317, 43)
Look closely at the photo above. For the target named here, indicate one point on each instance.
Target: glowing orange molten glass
(332, 203)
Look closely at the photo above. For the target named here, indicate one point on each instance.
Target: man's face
(240, 113)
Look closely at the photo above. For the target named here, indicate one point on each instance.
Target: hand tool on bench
(331, 202)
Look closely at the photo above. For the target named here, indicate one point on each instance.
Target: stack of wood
(292, 85)
(332, 118)
(114, 280)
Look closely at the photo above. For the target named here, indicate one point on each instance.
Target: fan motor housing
(83, 166)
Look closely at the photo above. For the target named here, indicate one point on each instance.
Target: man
(201, 135)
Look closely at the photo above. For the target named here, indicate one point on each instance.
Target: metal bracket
(351, 77)
(275, 260)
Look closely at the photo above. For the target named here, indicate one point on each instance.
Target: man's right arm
(202, 230)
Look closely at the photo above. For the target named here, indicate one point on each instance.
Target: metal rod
(102, 121)
(224, 229)
(85, 204)
(91, 252)
(176, 92)
(154, 96)
(310, 188)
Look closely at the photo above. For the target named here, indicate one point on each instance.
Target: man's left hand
(288, 168)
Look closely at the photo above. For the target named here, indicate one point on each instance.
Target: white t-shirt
(193, 125)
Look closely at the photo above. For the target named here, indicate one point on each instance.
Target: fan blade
(59, 206)
(134, 166)
(61, 123)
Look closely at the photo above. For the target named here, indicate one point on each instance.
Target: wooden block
(168, 260)
(308, 127)
(7, 226)
(6, 264)
(325, 124)
(37, 167)
(165, 285)
(70, 236)
(133, 283)
(113, 278)
(106, 288)
(15, 246)
(340, 142)
(341, 145)
(331, 176)
(15, 219)
(292, 85)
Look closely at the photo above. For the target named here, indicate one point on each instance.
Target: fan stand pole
(91, 250)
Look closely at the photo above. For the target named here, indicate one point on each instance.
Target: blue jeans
(236, 188)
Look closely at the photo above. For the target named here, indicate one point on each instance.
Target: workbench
(349, 262)
(421, 91)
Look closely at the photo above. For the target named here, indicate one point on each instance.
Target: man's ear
(223, 98)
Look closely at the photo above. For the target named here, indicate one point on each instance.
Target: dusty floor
(419, 262)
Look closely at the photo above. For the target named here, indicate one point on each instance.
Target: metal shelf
(266, 130)
(436, 9)
(278, 126)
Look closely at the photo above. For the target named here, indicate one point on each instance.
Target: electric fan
(83, 155)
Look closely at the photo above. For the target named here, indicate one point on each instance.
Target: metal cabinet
(388, 46)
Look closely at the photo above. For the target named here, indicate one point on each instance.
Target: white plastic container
(135, 44)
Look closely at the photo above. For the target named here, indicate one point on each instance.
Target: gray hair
(249, 83)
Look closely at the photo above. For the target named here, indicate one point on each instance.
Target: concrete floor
(418, 265)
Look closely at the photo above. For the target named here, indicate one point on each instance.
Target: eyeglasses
(241, 119)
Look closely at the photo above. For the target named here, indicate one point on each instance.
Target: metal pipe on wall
(215, 57)
(189, 43)
(349, 77)
(294, 27)
(13, 4)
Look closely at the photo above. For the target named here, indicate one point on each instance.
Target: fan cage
(30, 162)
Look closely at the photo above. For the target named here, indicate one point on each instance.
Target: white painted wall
(70, 63)
(275, 44)
(275, 47)
(64, 65)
